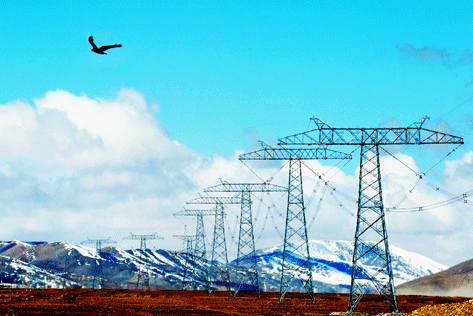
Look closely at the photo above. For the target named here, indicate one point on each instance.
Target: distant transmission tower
(246, 240)
(296, 257)
(142, 275)
(371, 224)
(219, 245)
(188, 267)
(199, 255)
(99, 278)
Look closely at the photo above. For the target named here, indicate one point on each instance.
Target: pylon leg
(246, 248)
(295, 257)
(200, 255)
(371, 226)
(219, 252)
(188, 281)
(98, 281)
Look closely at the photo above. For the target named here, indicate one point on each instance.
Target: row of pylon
(295, 237)
(370, 214)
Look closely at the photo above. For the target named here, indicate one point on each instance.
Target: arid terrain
(454, 281)
(158, 302)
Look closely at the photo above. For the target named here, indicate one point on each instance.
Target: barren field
(149, 302)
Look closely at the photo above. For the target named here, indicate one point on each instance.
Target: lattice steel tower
(142, 275)
(200, 252)
(219, 245)
(246, 240)
(370, 217)
(189, 256)
(98, 281)
(295, 238)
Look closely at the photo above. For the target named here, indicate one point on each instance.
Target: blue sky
(231, 68)
(211, 78)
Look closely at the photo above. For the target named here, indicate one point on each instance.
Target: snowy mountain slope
(331, 265)
(68, 265)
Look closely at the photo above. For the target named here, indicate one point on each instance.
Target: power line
(455, 108)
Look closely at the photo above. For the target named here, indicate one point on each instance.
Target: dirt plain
(161, 302)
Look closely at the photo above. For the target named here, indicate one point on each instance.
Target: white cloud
(74, 167)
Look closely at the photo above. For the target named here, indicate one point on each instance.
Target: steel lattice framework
(219, 245)
(142, 275)
(98, 281)
(370, 216)
(189, 256)
(295, 238)
(199, 251)
(246, 240)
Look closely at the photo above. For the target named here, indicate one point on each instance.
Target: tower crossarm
(294, 153)
(245, 187)
(143, 237)
(215, 200)
(412, 135)
(102, 241)
(269, 153)
(186, 237)
(98, 242)
(195, 213)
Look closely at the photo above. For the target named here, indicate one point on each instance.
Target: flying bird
(102, 49)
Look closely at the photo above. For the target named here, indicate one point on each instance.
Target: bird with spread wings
(102, 49)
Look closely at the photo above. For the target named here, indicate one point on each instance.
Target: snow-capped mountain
(63, 265)
(331, 265)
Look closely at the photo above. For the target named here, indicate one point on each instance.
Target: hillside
(455, 281)
(60, 264)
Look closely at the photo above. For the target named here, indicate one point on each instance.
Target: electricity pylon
(99, 278)
(141, 273)
(246, 240)
(219, 245)
(370, 217)
(189, 255)
(199, 253)
(296, 246)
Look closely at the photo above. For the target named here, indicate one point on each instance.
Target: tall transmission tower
(219, 245)
(99, 278)
(142, 275)
(199, 253)
(246, 240)
(370, 217)
(189, 256)
(296, 246)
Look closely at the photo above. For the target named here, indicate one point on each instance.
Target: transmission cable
(448, 112)
(400, 161)
(273, 206)
(443, 158)
(321, 177)
(340, 204)
(317, 208)
(264, 226)
(422, 177)
(252, 171)
(457, 198)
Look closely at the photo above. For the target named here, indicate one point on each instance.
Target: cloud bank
(74, 167)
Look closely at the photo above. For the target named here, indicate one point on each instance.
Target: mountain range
(61, 265)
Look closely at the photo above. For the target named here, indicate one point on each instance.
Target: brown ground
(463, 309)
(142, 302)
